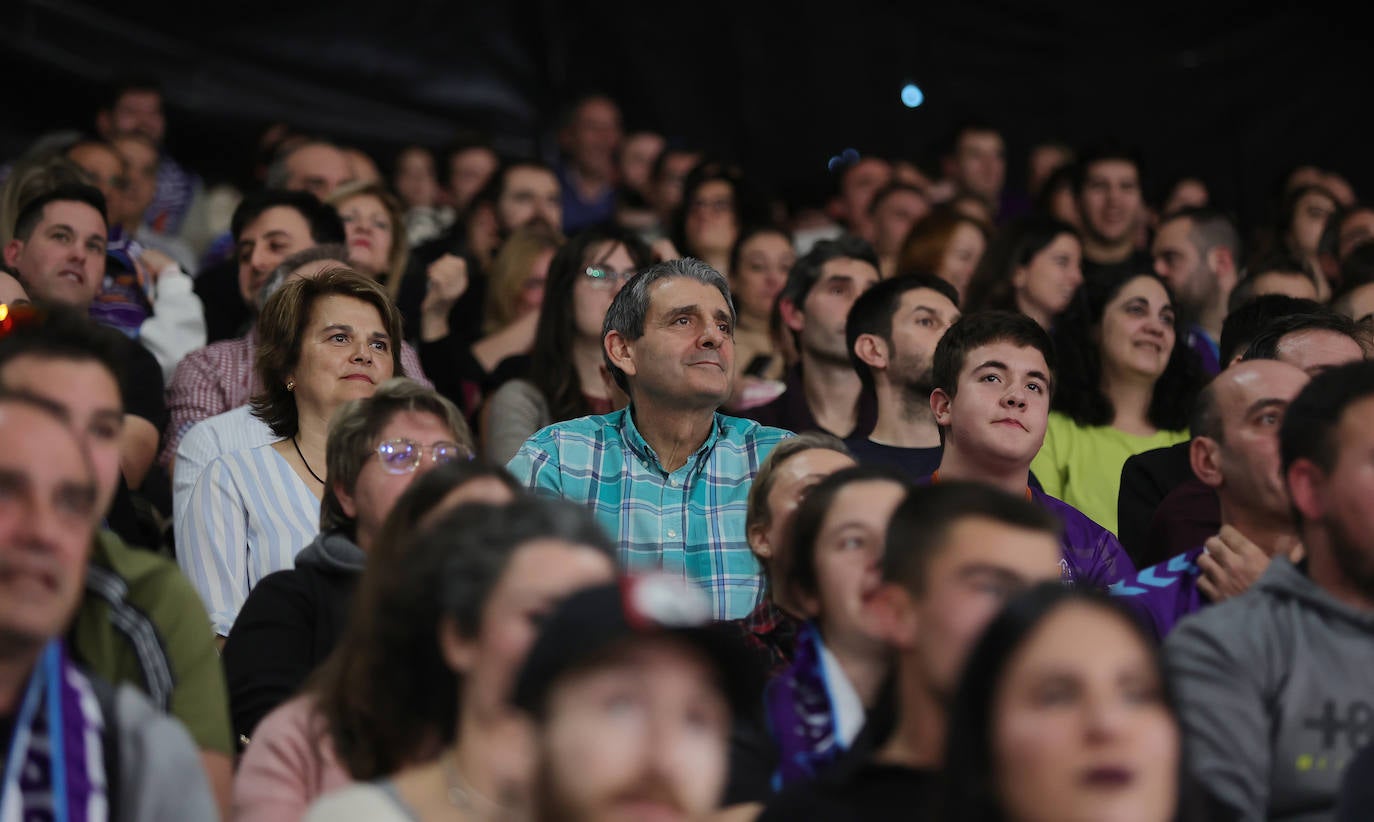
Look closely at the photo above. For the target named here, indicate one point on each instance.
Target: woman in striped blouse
(322, 341)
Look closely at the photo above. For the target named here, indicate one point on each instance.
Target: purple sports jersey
(1165, 593)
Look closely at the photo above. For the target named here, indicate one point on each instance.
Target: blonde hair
(511, 268)
(399, 253)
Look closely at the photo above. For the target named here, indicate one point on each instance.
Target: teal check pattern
(689, 522)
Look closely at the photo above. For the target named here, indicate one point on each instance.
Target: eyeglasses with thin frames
(402, 456)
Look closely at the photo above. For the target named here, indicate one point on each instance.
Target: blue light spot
(833, 163)
(912, 96)
(850, 155)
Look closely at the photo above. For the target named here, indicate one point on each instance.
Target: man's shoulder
(1078, 526)
(750, 432)
(592, 430)
(148, 581)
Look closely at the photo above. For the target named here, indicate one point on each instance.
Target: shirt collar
(637, 444)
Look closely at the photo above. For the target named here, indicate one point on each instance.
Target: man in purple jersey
(1235, 451)
(993, 373)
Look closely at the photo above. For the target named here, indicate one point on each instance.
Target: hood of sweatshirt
(334, 552)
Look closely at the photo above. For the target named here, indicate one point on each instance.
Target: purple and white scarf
(55, 764)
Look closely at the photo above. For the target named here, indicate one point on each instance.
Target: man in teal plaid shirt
(668, 477)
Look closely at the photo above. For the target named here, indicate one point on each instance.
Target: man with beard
(1235, 453)
(1112, 209)
(632, 690)
(892, 331)
(1197, 252)
(1274, 686)
(823, 392)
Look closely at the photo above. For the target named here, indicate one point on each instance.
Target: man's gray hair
(314, 254)
(277, 173)
(630, 308)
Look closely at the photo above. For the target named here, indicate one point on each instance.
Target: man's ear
(459, 652)
(618, 349)
(891, 615)
(1204, 455)
(1221, 263)
(872, 351)
(12, 251)
(941, 405)
(792, 316)
(758, 541)
(1306, 486)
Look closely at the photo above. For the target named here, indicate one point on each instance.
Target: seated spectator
(589, 136)
(293, 618)
(1267, 679)
(1197, 254)
(716, 205)
(947, 244)
(371, 217)
(1107, 745)
(822, 391)
(791, 470)
(139, 620)
(417, 695)
(58, 253)
(894, 209)
(1126, 385)
(684, 677)
(994, 378)
(322, 342)
(892, 331)
(82, 743)
(1302, 217)
(1354, 298)
(670, 457)
(416, 182)
(1032, 266)
(1235, 451)
(1313, 342)
(567, 362)
(759, 263)
(954, 553)
(1111, 210)
(816, 706)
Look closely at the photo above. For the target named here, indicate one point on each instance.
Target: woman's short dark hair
(386, 698)
(551, 368)
(809, 518)
(970, 765)
(1012, 247)
(282, 326)
(1079, 393)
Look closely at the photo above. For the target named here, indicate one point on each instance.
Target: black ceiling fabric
(1233, 90)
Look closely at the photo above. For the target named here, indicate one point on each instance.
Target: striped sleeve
(212, 548)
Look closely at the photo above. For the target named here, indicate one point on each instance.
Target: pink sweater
(288, 765)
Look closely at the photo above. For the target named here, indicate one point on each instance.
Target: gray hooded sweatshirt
(1276, 692)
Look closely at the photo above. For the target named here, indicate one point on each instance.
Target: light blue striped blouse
(248, 516)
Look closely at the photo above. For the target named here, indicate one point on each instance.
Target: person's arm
(281, 772)
(1222, 707)
(177, 325)
(137, 449)
(536, 467)
(269, 652)
(1136, 502)
(212, 547)
(512, 415)
(516, 338)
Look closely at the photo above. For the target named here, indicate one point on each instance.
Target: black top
(226, 314)
(916, 463)
(142, 385)
(1146, 479)
(1138, 263)
(791, 411)
(465, 318)
(868, 791)
(290, 623)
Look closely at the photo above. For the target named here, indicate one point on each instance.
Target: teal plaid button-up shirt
(688, 522)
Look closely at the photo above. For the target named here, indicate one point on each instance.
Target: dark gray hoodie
(1276, 691)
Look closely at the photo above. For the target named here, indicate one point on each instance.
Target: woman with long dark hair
(1064, 712)
(1033, 266)
(1125, 384)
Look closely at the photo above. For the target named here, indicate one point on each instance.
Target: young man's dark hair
(1273, 263)
(920, 525)
(492, 192)
(873, 311)
(1309, 424)
(1246, 321)
(324, 222)
(1107, 150)
(1265, 345)
(806, 271)
(887, 191)
(1357, 270)
(984, 328)
(31, 213)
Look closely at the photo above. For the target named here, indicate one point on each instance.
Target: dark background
(1237, 92)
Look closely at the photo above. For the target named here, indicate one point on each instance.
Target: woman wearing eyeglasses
(565, 379)
(322, 341)
(292, 619)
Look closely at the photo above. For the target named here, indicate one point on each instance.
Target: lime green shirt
(1082, 464)
(141, 622)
